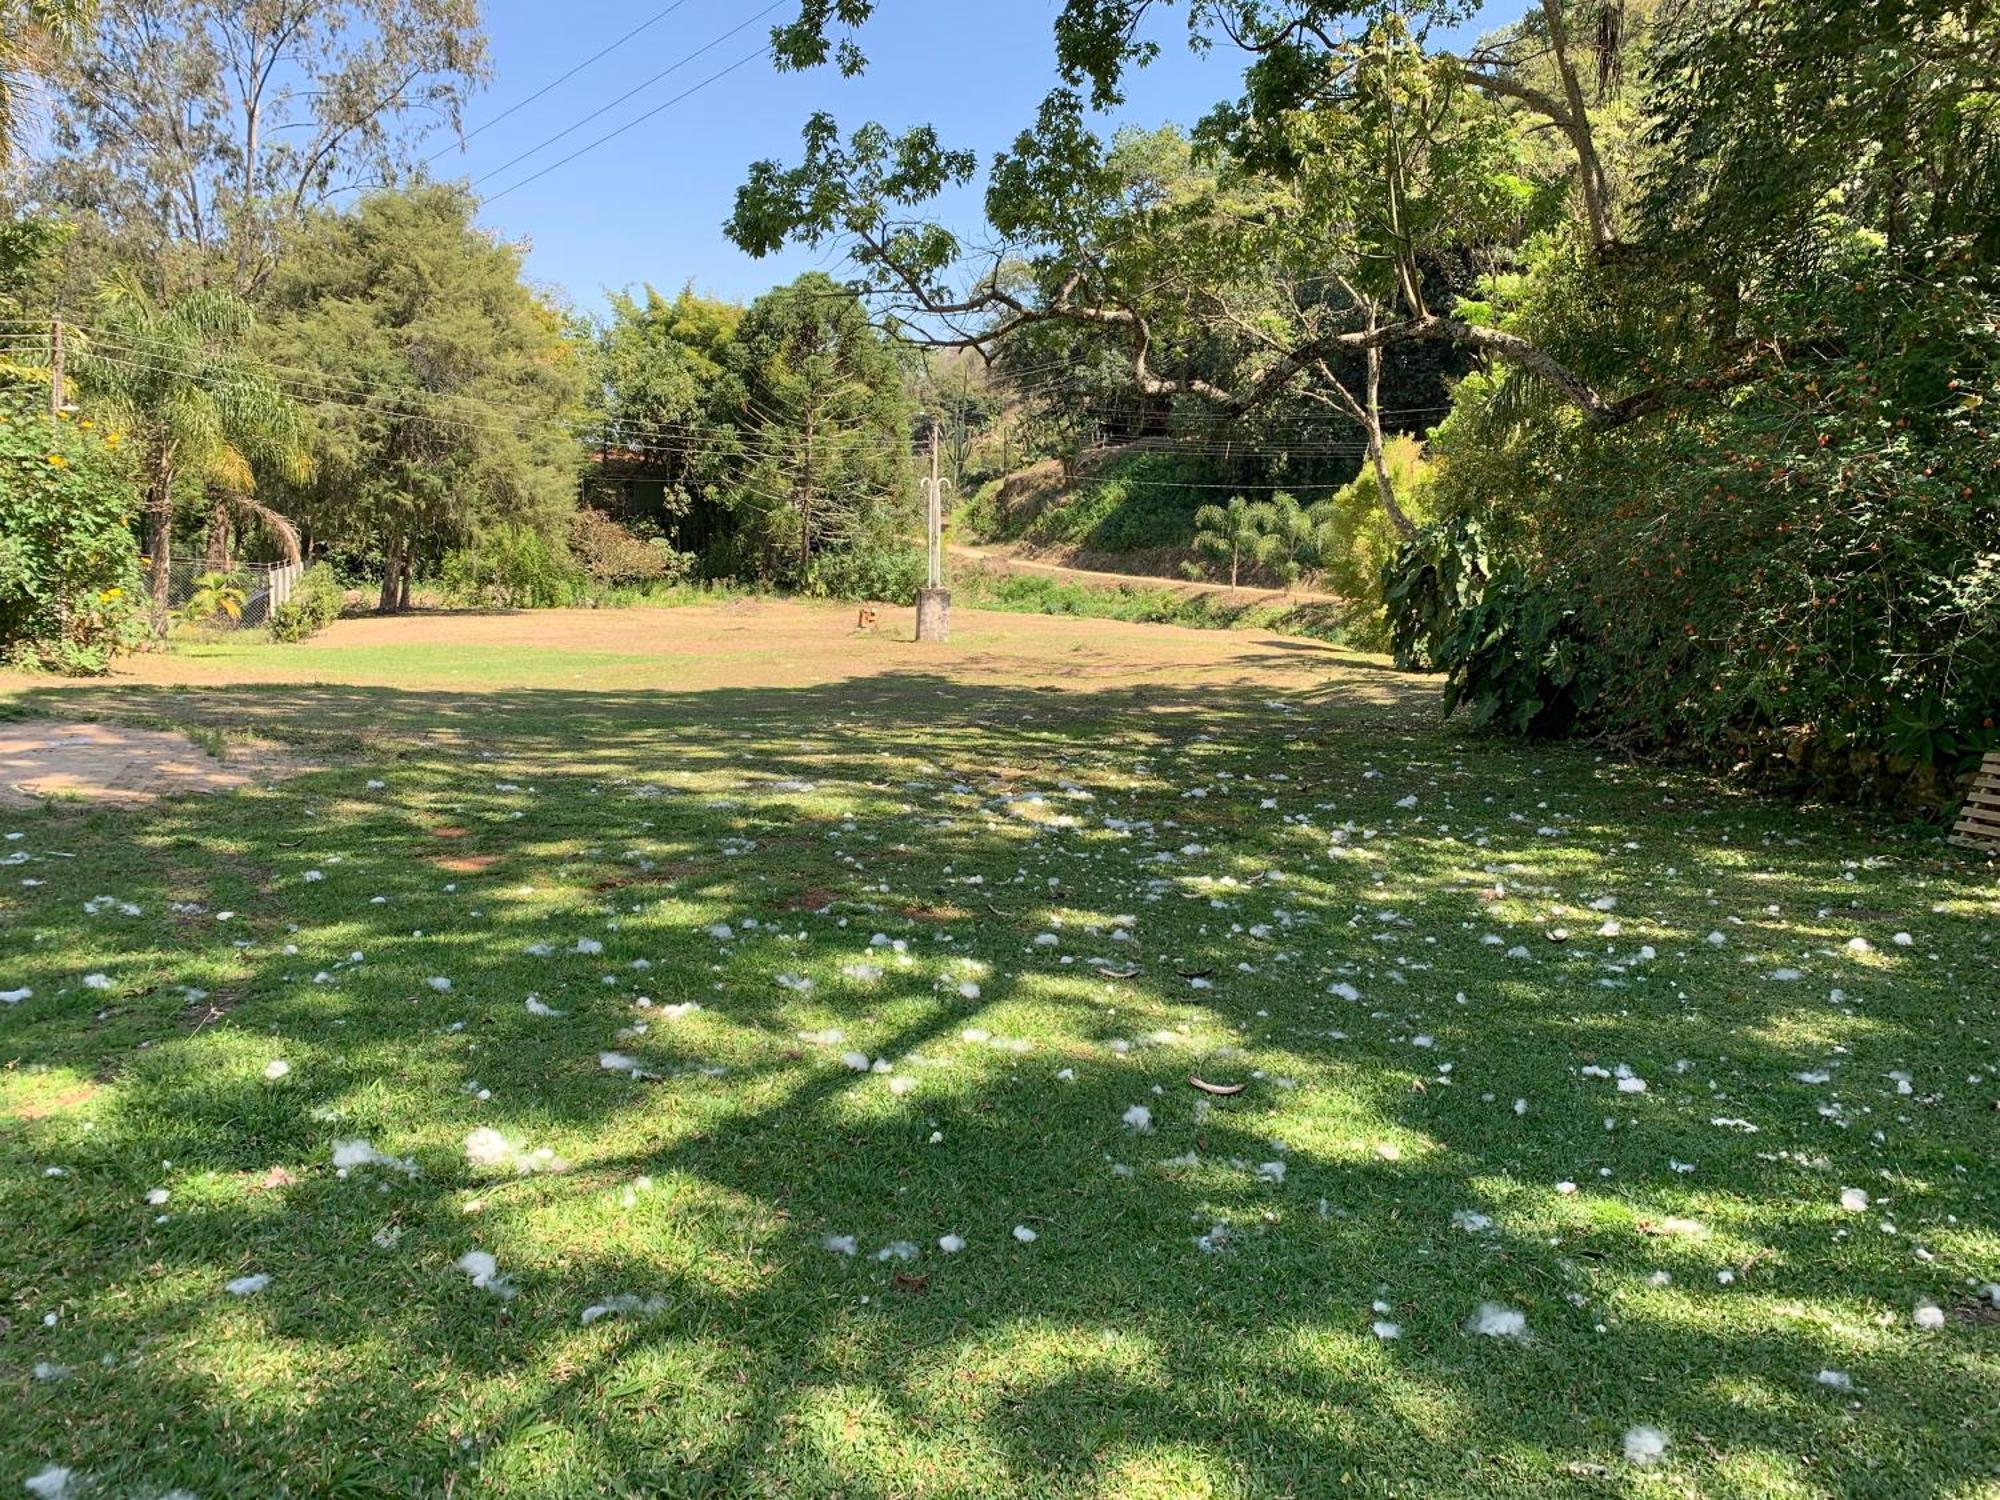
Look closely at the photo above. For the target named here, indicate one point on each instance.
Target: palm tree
(216, 595)
(201, 408)
(33, 35)
(1238, 531)
(1297, 536)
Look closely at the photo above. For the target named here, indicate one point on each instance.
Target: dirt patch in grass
(55, 1104)
(467, 864)
(110, 765)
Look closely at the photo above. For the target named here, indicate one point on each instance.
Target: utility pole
(56, 392)
(934, 599)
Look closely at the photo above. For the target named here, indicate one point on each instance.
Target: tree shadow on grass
(1113, 1354)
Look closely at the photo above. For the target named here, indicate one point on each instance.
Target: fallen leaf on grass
(1220, 1090)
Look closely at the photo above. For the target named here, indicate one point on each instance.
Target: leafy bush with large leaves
(1796, 570)
(316, 602)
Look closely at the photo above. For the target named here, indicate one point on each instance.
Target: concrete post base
(934, 614)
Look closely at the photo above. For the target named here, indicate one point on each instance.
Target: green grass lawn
(739, 973)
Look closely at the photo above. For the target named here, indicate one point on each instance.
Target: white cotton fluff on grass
(1384, 1330)
(348, 1155)
(1496, 1320)
(487, 1147)
(536, 1006)
(97, 981)
(587, 946)
(1025, 1235)
(951, 1244)
(624, 1304)
(1645, 1446)
(276, 1068)
(840, 1244)
(1272, 1171)
(858, 1061)
(618, 1062)
(15, 997)
(485, 1273)
(1854, 1200)
(1838, 1380)
(439, 983)
(1928, 1316)
(53, 1483)
(1139, 1118)
(247, 1286)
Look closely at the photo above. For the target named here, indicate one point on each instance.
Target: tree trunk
(1405, 527)
(217, 558)
(806, 501)
(392, 572)
(1590, 168)
(409, 576)
(160, 532)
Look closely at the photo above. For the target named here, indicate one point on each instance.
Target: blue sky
(649, 205)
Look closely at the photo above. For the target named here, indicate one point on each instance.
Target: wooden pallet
(1979, 822)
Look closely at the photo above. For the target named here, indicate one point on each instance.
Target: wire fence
(254, 589)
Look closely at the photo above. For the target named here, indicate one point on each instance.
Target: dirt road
(1003, 560)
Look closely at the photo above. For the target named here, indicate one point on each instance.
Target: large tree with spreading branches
(1357, 160)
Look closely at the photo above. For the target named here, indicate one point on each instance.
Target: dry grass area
(745, 647)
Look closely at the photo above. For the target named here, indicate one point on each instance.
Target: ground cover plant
(698, 1052)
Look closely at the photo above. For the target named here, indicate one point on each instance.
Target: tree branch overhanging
(1013, 313)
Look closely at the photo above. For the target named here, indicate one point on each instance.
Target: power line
(656, 439)
(605, 109)
(716, 77)
(595, 57)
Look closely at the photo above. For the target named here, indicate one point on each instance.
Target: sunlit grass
(1197, 1311)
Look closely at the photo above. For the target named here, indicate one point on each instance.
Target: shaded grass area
(964, 820)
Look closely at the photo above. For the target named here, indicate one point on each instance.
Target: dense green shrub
(1356, 543)
(1798, 571)
(316, 601)
(613, 556)
(890, 571)
(69, 571)
(511, 567)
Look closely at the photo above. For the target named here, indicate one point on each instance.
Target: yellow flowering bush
(69, 595)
